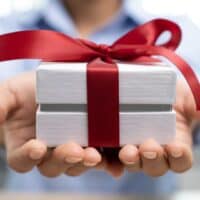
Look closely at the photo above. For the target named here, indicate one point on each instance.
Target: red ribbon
(102, 74)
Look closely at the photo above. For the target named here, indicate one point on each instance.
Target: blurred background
(188, 10)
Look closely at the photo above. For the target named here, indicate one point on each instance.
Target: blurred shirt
(55, 17)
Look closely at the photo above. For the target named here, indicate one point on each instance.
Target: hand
(156, 160)
(17, 116)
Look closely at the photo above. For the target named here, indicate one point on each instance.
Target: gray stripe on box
(123, 107)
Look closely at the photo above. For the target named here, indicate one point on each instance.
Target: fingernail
(150, 155)
(130, 163)
(88, 164)
(36, 154)
(73, 159)
(177, 154)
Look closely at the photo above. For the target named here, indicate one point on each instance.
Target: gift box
(146, 95)
(86, 94)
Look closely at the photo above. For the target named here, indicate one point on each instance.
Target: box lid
(65, 83)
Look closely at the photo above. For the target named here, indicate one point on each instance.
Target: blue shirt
(55, 17)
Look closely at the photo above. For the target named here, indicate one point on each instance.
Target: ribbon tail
(183, 67)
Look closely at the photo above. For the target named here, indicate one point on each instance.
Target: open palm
(156, 160)
(17, 115)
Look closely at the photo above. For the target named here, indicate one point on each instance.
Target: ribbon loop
(167, 26)
(148, 34)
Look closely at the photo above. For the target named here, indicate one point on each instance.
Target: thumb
(185, 104)
(8, 101)
(191, 112)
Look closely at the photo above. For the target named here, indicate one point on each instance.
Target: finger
(91, 157)
(25, 157)
(180, 156)
(113, 166)
(188, 108)
(61, 158)
(77, 170)
(153, 158)
(115, 170)
(180, 150)
(129, 156)
(8, 101)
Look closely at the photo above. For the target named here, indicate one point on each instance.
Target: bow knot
(104, 49)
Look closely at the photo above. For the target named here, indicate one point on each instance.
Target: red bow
(102, 74)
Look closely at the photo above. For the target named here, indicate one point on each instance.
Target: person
(101, 21)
